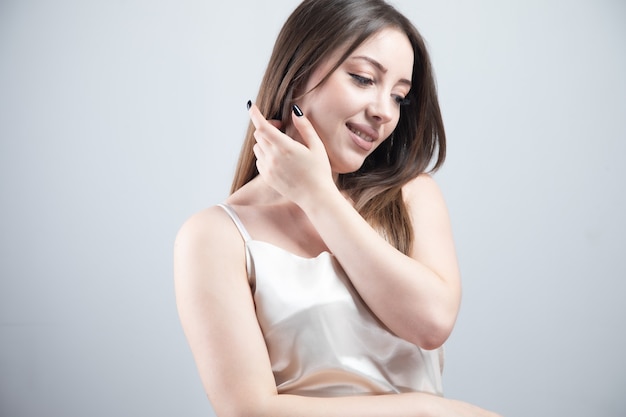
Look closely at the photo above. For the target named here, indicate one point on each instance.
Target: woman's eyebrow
(380, 67)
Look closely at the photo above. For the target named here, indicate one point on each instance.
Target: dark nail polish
(297, 110)
(249, 104)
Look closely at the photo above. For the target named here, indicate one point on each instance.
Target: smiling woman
(359, 101)
(327, 282)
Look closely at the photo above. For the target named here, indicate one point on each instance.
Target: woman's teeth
(361, 135)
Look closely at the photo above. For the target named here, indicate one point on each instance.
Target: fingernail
(297, 110)
(249, 104)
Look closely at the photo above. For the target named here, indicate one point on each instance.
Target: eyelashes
(366, 82)
(360, 80)
(403, 101)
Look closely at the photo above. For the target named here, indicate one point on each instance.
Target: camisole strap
(246, 238)
(233, 215)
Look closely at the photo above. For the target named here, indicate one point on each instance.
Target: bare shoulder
(430, 218)
(205, 226)
(208, 241)
(422, 191)
(204, 229)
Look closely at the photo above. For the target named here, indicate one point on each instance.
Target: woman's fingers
(303, 125)
(276, 123)
(294, 168)
(267, 131)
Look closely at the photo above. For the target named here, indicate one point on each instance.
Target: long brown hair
(315, 30)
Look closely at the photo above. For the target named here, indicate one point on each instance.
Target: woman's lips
(363, 136)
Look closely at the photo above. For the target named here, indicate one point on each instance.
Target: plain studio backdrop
(119, 119)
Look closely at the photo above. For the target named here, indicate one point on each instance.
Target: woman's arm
(416, 296)
(217, 313)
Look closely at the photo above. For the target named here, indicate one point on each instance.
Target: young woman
(327, 282)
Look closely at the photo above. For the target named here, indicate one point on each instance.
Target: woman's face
(358, 106)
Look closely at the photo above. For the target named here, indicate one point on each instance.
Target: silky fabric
(321, 337)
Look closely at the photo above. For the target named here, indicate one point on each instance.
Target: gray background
(119, 119)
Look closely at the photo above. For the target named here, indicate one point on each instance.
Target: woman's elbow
(433, 340)
(433, 334)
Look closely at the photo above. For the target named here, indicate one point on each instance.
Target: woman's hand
(297, 168)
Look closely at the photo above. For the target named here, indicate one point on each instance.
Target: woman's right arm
(217, 313)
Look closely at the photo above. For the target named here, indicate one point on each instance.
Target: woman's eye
(402, 101)
(362, 80)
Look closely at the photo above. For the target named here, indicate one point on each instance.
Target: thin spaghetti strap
(246, 237)
(233, 215)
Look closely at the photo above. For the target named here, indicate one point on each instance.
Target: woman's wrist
(323, 200)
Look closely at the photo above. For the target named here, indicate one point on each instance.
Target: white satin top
(322, 339)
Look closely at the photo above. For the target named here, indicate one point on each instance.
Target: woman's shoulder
(201, 225)
(214, 223)
(208, 233)
(214, 229)
(421, 188)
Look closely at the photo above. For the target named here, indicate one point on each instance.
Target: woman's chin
(347, 167)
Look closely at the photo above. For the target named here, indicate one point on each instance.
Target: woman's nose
(381, 108)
